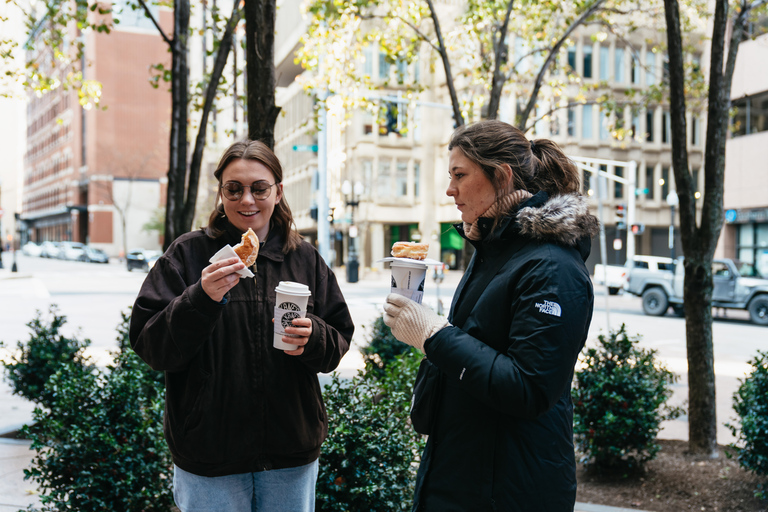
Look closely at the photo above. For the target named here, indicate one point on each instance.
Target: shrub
(751, 404)
(382, 347)
(42, 356)
(619, 403)
(367, 462)
(100, 446)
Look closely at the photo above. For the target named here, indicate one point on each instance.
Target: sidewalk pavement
(15, 455)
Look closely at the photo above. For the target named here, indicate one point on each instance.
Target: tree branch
(500, 54)
(225, 47)
(155, 23)
(413, 27)
(457, 116)
(551, 57)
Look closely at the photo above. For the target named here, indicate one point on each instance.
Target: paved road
(92, 297)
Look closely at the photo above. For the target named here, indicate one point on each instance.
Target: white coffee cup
(408, 279)
(291, 302)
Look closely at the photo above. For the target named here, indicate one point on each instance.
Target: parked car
(49, 249)
(737, 285)
(71, 251)
(93, 255)
(613, 276)
(141, 259)
(31, 249)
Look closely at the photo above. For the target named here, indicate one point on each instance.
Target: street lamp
(351, 198)
(672, 201)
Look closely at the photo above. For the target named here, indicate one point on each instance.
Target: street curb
(589, 507)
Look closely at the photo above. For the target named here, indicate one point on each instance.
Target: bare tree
(699, 241)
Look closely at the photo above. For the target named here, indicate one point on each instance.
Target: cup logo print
(394, 284)
(287, 319)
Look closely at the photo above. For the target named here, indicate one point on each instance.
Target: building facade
(745, 198)
(399, 154)
(97, 175)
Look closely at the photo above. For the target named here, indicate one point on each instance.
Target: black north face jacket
(502, 438)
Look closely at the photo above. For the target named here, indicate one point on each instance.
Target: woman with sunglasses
(244, 421)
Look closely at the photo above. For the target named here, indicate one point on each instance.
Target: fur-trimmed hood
(561, 219)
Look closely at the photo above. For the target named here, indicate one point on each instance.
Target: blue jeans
(277, 490)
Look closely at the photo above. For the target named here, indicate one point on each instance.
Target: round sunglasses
(233, 190)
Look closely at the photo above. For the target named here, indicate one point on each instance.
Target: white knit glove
(411, 322)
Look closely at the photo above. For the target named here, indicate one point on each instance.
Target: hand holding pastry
(220, 277)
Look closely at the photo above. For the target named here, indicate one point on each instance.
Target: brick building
(90, 173)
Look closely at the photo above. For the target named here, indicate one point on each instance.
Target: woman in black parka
(494, 391)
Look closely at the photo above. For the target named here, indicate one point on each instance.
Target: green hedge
(751, 404)
(619, 399)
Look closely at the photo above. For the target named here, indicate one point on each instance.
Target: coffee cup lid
(292, 288)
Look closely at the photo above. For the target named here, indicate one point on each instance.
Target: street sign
(306, 147)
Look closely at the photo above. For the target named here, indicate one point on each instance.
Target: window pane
(664, 182)
(746, 235)
(618, 187)
(649, 126)
(572, 57)
(368, 57)
(604, 120)
(571, 121)
(618, 69)
(383, 66)
(401, 178)
(587, 61)
(762, 235)
(586, 122)
(383, 184)
(416, 178)
(650, 182)
(666, 128)
(650, 68)
(605, 53)
(367, 176)
(635, 71)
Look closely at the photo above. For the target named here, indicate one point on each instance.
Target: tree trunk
(500, 56)
(225, 46)
(177, 172)
(260, 70)
(458, 117)
(699, 242)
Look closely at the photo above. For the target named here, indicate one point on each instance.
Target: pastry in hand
(248, 248)
(412, 250)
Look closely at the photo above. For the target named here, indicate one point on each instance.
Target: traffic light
(638, 229)
(621, 211)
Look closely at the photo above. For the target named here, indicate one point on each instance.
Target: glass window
(635, 70)
(618, 66)
(367, 176)
(664, 182)
(402, 71)
(694, 131)
(587, 61)
(650, 182)
(649, 126)
(650, 68)
(416, 178)
(695, 180)
(605, 54)
(401, 178)
(383, 66)
(586, 122)
(383, 187)
(368, 58)
(618, 187)
(572, 57)
(666, 127)
(761, 240)
(746, 235)
(605, 120)
(586, 184)
(635, 129)
(571, 121)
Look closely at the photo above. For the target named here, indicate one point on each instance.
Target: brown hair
(281, 217)
(536, 164)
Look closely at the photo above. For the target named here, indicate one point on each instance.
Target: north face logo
(549, 307)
